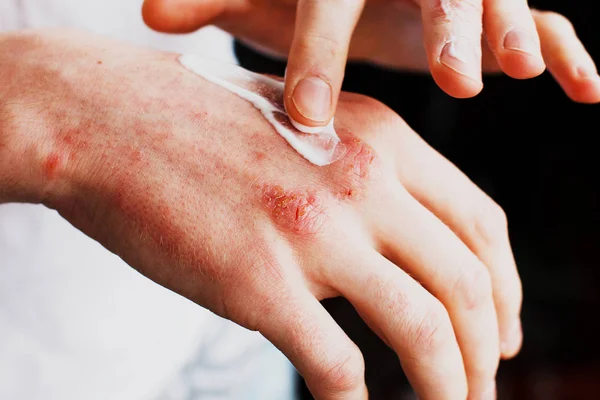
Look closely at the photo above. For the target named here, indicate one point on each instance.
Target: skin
(147, 159)
(404, 34)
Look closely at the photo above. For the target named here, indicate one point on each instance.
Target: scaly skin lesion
(304, 210)
(300, 211)
(357, 167)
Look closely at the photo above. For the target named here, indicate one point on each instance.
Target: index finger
(317, 60)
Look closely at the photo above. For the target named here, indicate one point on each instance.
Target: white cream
(315, 130)
(266, 94)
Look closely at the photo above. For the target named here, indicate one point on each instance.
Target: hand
(192, 187)
(392, 33)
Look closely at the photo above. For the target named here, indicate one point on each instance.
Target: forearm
(16, 167)
(24, 129)
(16, 159)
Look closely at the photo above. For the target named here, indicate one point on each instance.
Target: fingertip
(180, 16)
(456, 84)
(509, 355)
(567, 58)
(149, 13)
(309, 104)
(457, 70)
(519, 65)
(157, 15)
(520, 56)
(317, 60)
(512, 341)
(582, 85)
(585, 90)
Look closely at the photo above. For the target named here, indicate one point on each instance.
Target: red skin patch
(297, 211)
(259, 155)
(68, 145)
(51, 165)
(356, 167)
(301, 211)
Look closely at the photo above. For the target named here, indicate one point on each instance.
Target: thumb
(180, 16)
(317, 58)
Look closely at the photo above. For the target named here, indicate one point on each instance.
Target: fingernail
(513, 339)
(587, 73)
(460, 56)
(312, 98)
(521, 41)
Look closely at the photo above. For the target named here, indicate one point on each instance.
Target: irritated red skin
(298, 211)
(302, 211)
(356, 168)
(51, 165)
(68, 145)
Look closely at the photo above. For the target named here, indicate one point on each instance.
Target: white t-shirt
(76, 323)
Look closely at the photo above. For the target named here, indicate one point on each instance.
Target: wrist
(27, 166)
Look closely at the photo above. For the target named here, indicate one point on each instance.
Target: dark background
(534, 151)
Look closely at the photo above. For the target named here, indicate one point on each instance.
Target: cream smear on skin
(266, 94)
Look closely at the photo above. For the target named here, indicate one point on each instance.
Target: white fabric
(76, 323)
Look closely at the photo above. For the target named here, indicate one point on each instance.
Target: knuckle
(431, 331)
(447, 11)
(490, 223)
(473, 288)
(386, 126)
(367, 156)
(382, 120)
(328, 45)
(345, 374)
(356, 171)
(387, 296)
(441, 11)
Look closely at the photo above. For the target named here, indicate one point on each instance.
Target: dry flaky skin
(193, 188)
(301, 211)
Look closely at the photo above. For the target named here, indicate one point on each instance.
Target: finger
(329, 361)
(409, 320)
(317, 59)
(567, 59)
(180, 16)
(426, 248)
(452, 31)
(512, 36)
(476, 219)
